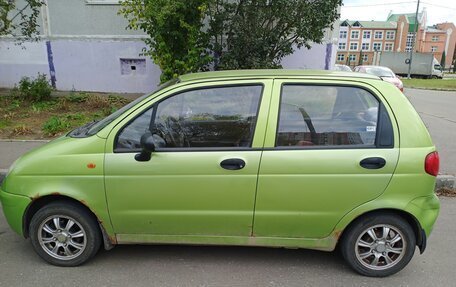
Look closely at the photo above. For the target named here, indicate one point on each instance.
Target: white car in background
(383, 72)
(342, 68)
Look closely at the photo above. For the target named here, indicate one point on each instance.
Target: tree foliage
(191, 35)
(443, 60)
(249, 34)
(20, 21)
(177, 43)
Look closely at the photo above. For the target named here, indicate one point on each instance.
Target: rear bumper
(14, 207)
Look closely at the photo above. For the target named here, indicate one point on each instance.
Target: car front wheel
(379, 245)
(64, 234)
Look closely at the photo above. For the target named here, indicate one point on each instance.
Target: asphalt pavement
(438, 111)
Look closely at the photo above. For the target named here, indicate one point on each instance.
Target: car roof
(272, 73)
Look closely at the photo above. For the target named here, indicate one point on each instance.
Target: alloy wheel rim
(62, 237)
(380, 247)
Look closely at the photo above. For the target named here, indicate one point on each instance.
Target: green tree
(20, 21)
(191, 35)
(442, 60)
(177, 43)
(249, 34)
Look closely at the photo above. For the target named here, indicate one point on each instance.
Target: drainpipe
(47, 34)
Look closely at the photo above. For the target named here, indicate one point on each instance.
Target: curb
(445, 182)
(18, 140)
(431, 89)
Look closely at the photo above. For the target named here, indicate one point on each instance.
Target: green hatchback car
(279, 158)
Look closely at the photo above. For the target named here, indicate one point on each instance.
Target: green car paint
(299, 198)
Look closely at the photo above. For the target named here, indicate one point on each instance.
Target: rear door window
(327, 116)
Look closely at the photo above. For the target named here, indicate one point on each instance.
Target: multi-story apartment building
(361, 42)
(439, 38)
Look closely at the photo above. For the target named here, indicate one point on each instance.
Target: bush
(55, 125)
(36, 90)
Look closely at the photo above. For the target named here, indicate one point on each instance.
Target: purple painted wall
(95, 66)
(314, 58)
(17, 62)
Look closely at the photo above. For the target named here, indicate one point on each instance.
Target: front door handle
(373, 162)
(233, 164)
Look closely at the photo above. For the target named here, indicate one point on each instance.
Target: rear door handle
(373, 163)
(233, 164)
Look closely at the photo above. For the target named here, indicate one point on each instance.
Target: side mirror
(147, 146)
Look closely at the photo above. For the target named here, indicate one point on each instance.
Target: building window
(408, 49)
(378, 35)
(340, 57)
(352, 58)
(377, 46)
(342, 46)
(390, 35)
(343, 34)
(365, 57)
(435, 38)
(388, 46)
(354, 35)
(434, 49)
(366, 34)
(353, 46)
(365, 46)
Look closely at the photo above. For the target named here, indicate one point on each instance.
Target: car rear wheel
(378, 245)
(64, 234)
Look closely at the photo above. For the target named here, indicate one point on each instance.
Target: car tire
(370, 252)
(65, 234)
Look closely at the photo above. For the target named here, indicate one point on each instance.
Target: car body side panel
(185, 192)
(60, 168)
(304, 192)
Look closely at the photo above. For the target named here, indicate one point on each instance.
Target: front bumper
(14, 207)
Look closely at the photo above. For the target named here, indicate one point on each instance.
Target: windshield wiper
(82, 130)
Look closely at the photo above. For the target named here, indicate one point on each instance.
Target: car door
(201, 180)
(329, 148)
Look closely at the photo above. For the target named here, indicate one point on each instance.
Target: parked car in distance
(383, 72)
(342, 68)
(279, 158)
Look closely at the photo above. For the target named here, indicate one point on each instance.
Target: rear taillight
(432, 163)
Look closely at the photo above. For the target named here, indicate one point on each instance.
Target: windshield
(380, 72)
(94, 127)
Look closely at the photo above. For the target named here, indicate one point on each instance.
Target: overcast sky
(365, 10)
